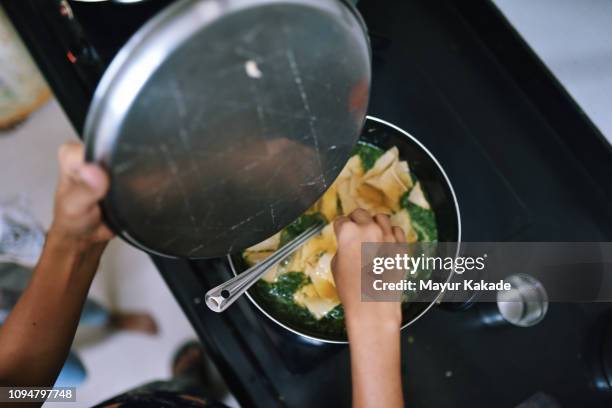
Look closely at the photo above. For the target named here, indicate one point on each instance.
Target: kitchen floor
(127, 279)
(574, 39)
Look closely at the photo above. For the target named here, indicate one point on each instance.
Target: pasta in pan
(372, 179)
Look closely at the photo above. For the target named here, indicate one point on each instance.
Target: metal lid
(221, 121)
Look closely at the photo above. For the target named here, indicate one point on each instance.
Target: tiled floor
(126, 280)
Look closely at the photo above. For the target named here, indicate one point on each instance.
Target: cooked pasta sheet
(374, 180)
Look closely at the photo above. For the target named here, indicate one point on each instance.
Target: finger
(83, 194)
(70, 156)
(103, 234)
(361, 216)
(338, 223)
(333, 264)
(95, 178)
(384, 223)
(399, 235)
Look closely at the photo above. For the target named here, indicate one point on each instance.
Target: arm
(373, 327)
(36, 337)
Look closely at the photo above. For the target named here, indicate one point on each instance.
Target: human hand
(351, 231)
(77, 219)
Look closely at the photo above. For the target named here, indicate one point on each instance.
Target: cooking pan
(442, 199)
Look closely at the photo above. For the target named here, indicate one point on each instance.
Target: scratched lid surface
(221, 121)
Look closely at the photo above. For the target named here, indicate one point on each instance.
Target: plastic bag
(21, 236)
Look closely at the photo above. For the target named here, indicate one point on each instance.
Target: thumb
(95, 179)
(83, 189)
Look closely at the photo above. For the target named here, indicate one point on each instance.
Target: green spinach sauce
(277, 299)
(368, 154)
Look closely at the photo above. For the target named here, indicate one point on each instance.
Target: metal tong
(221, 297)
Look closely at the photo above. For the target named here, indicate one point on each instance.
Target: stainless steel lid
(221, 121)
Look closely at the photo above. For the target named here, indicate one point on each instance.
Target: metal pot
(442, 199)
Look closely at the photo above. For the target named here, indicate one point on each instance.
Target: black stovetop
(525, 162)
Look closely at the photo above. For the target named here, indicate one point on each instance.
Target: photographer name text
(423, 285)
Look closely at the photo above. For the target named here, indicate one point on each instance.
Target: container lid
(221, 121)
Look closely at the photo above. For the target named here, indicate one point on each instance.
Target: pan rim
(438, 296)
